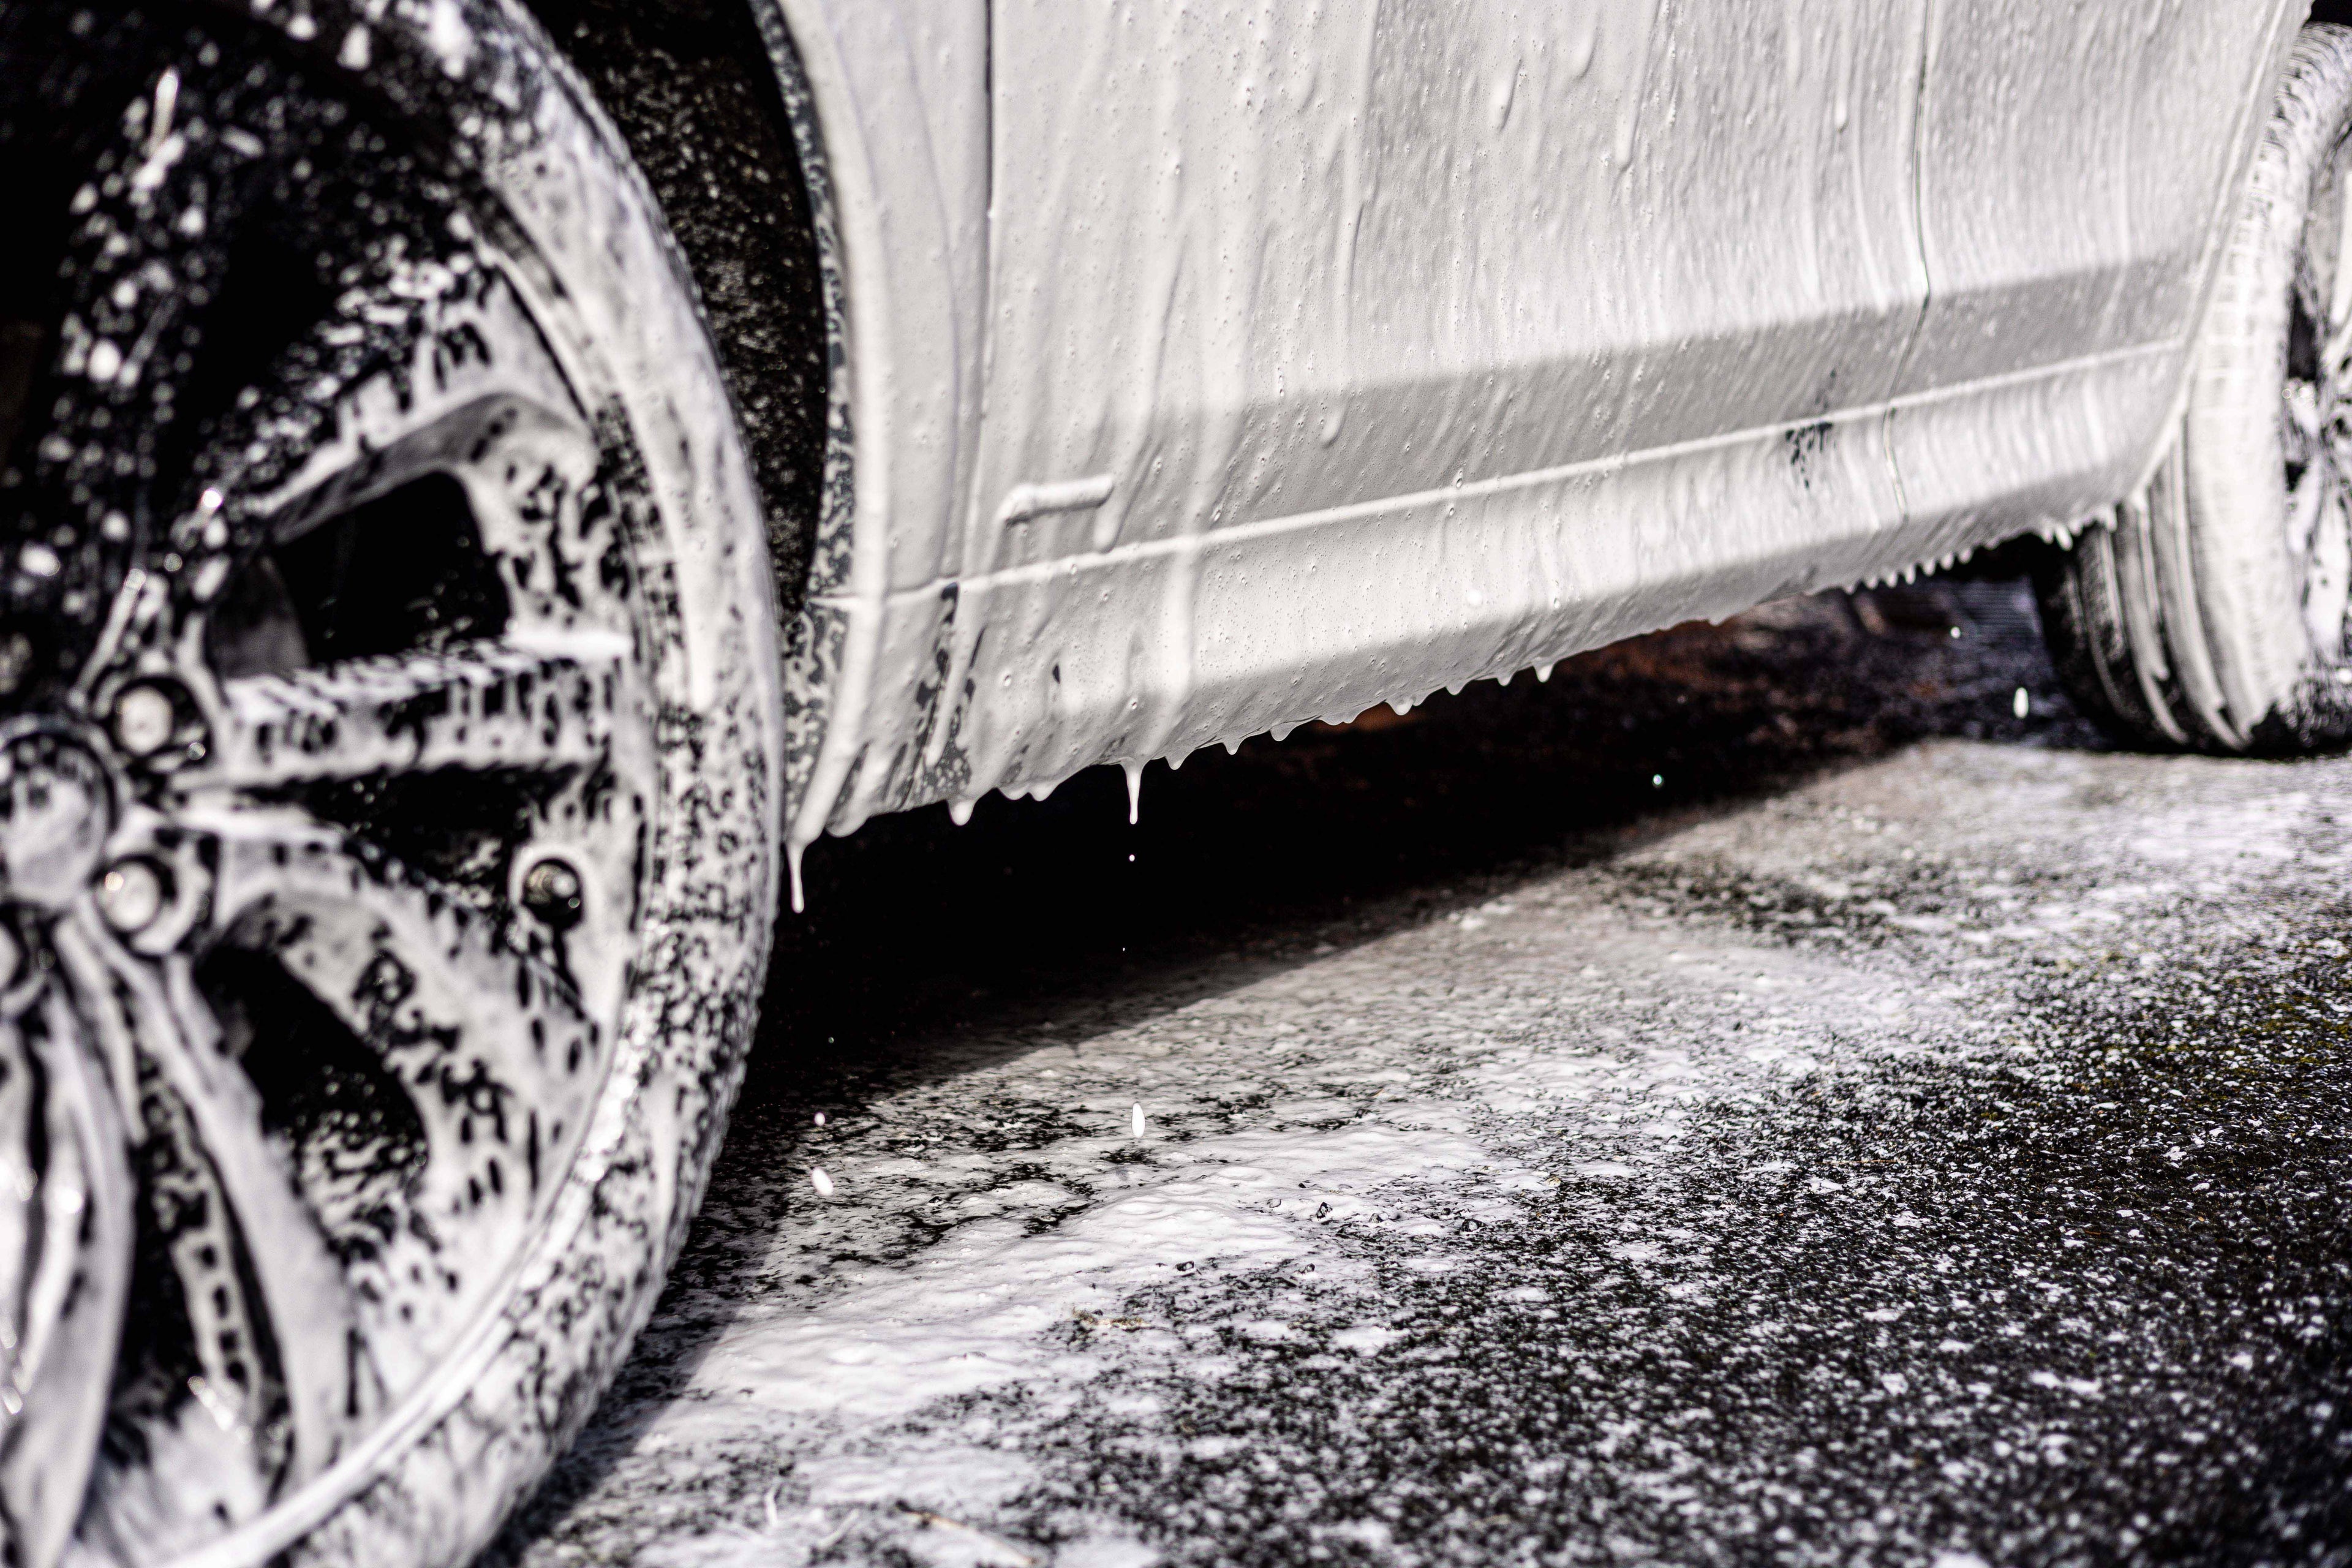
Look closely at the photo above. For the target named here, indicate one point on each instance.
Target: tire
(389, 774)
(2208, 613)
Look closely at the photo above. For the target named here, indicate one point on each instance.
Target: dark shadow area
(914, 923)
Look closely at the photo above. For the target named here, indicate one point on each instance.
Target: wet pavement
(1757, 1098)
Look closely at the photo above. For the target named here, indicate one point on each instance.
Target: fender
(890, 105)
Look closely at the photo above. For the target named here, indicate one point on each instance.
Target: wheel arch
(824, 164)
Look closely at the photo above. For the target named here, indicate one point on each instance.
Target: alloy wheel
(330, 760)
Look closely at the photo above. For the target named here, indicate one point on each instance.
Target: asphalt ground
(1760, 1096)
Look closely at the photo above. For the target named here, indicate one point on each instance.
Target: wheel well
(693, 91)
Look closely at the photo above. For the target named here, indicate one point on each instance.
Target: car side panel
(1269, 281)
(2072, 159)
(891, 100)
(1150, 555)
(2078, 165)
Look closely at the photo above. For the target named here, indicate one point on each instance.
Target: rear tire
(2208, 612)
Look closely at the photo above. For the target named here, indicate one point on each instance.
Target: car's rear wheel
(387, 773)
(2209, 612)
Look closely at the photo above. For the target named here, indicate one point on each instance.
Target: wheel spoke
(2336, 354)
(483, 705)
(2300, 428)
(2326, 562)
(469, 373)
(2329, 257)
(127, 332)
(436, 369)
(2305, 504)
(491, 1047)
(221, 1194)
(65, 1200)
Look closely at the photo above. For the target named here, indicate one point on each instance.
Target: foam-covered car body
(1208, 368)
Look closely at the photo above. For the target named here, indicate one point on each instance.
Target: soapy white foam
(979, 1307)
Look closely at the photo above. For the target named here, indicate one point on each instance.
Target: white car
(483, 487)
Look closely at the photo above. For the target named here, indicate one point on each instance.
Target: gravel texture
(1754, 1098)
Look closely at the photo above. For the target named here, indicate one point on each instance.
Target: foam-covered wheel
(2209, 612)
(388, 772)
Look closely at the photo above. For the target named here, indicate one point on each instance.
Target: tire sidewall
(2279, 690)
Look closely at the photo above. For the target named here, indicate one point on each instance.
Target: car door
(2077, 167)
(1321, 332)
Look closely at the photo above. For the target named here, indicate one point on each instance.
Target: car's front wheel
(388, 773)
(2209, 612)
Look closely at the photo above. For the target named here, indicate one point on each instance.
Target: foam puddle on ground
(844, 1399)
(992, 1303)
(977, 1308)
(1655, 1209)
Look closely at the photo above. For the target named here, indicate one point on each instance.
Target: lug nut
(16, 661)
(551, 892)
(131, 894)
(145, 719)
